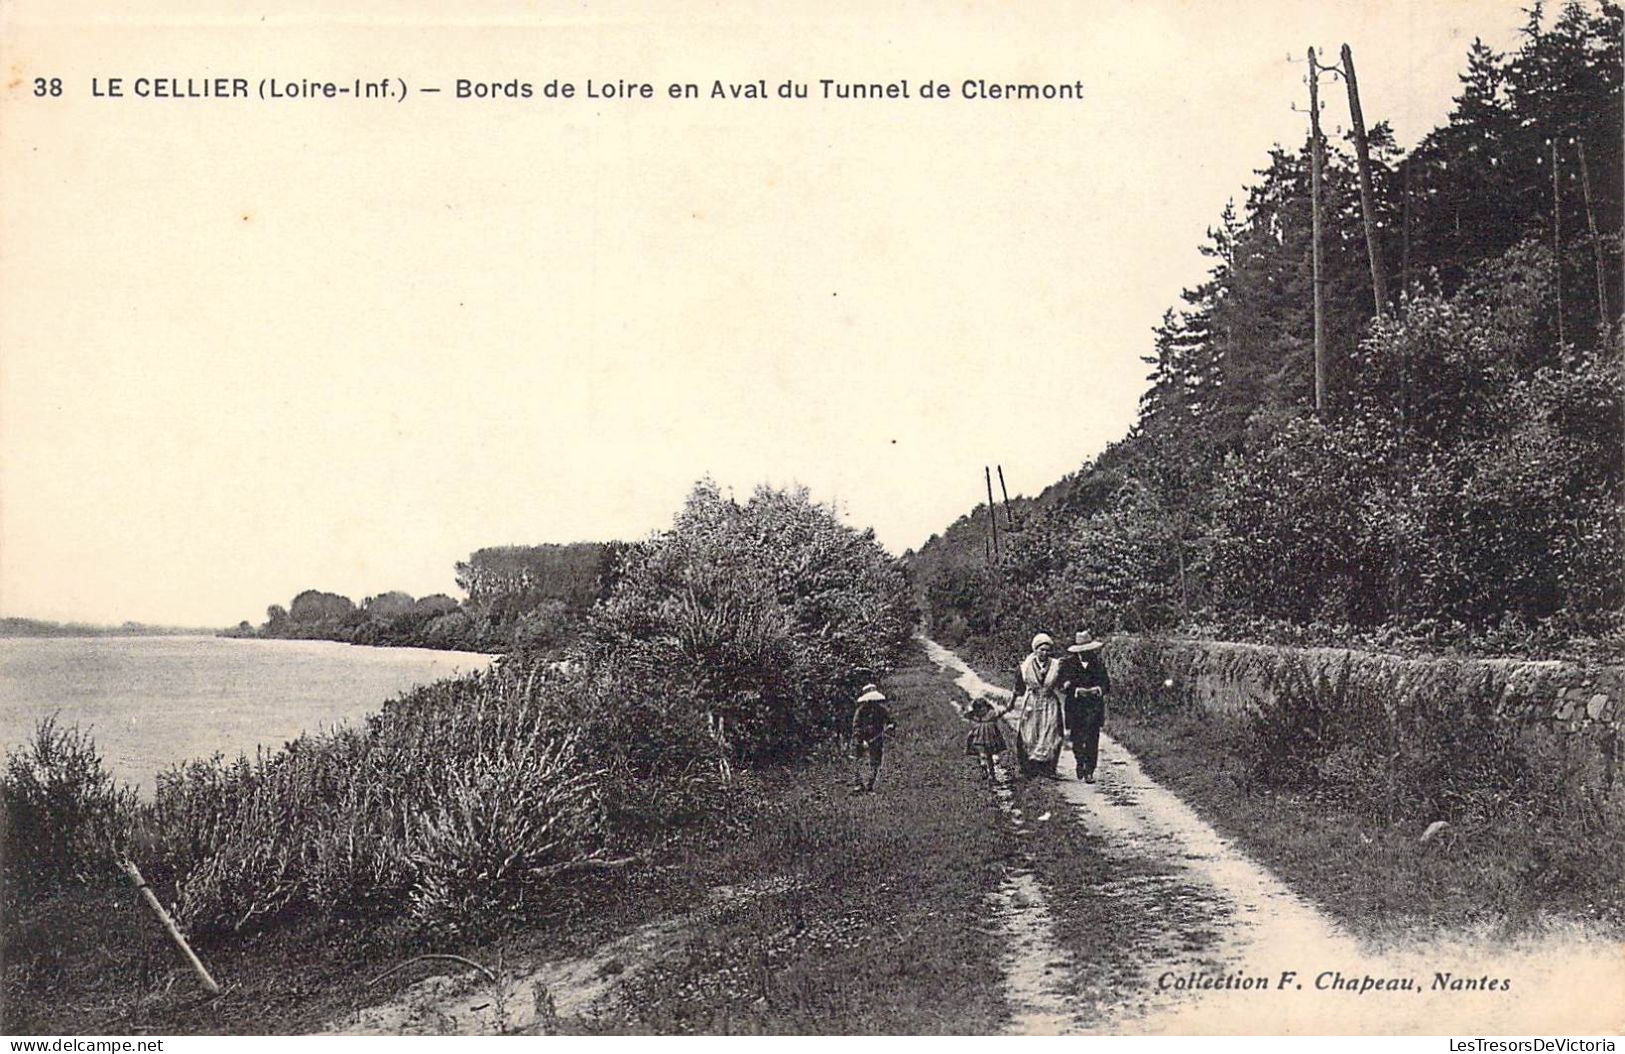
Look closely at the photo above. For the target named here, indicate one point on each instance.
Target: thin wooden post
(1596, 242)
(1373, 247)
(1405, 307)
(1557, 241)
(1009, 517)
(1179, 550)
(992, 514)
(1405, 243)
(1314, 210)
(170, 928)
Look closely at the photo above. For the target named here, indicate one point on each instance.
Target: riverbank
(503, 795)
(13, 626)
(160, 701)
(837, 913)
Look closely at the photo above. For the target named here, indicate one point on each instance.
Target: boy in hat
(870, 723)
(1084, 684)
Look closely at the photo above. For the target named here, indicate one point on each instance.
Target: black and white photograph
(934, 518)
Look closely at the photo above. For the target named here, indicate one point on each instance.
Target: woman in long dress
(1038, 709)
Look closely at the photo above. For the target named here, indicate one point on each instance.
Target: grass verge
(886, 928)
(1377, 879)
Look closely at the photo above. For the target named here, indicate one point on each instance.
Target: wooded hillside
(1461, 484)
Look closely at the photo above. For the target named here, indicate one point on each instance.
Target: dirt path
(1036, 968)
(1228, 948)
(537, 998)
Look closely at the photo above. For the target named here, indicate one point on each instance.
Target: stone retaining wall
(1560, 713)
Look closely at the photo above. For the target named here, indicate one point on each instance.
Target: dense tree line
(1462, 487)
(524, 597)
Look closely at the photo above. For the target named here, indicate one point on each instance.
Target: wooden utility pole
(992, 515)
(1314, 209)
(1557, 241)
(1596, 242)
(1404, 304)
(1009, 517)
(1405, 239)
(1379, 280)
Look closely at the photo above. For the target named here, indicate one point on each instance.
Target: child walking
(985, 741)
(870, 723)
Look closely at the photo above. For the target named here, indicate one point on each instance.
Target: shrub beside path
(1220, 934)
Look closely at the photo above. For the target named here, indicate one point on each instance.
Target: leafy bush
(756, 622)
(63, 816)
(1456, 760)
(741, 634)
(527, 810)
(1387, 739)
(1296, 732)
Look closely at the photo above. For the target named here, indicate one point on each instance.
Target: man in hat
(1084, 684)
(870, 723)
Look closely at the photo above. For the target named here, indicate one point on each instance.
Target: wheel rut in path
(1037, 970)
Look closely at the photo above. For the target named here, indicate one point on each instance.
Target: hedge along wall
(1457, 738)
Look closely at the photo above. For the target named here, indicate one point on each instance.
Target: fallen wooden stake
(398, 967)
(170, 928)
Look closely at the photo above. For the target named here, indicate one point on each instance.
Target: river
(151, 702)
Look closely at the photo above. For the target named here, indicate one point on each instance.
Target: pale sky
(252, 347)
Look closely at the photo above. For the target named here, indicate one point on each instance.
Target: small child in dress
(985, 741)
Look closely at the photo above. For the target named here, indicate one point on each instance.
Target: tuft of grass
(435, 812)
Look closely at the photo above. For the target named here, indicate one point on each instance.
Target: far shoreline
(151, 703)
(15, 626)
(18, 628)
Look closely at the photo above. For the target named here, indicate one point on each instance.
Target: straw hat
(1084, 641)
(1042, 638)
(871, 696)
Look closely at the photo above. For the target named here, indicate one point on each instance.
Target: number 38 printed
(52, 87)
